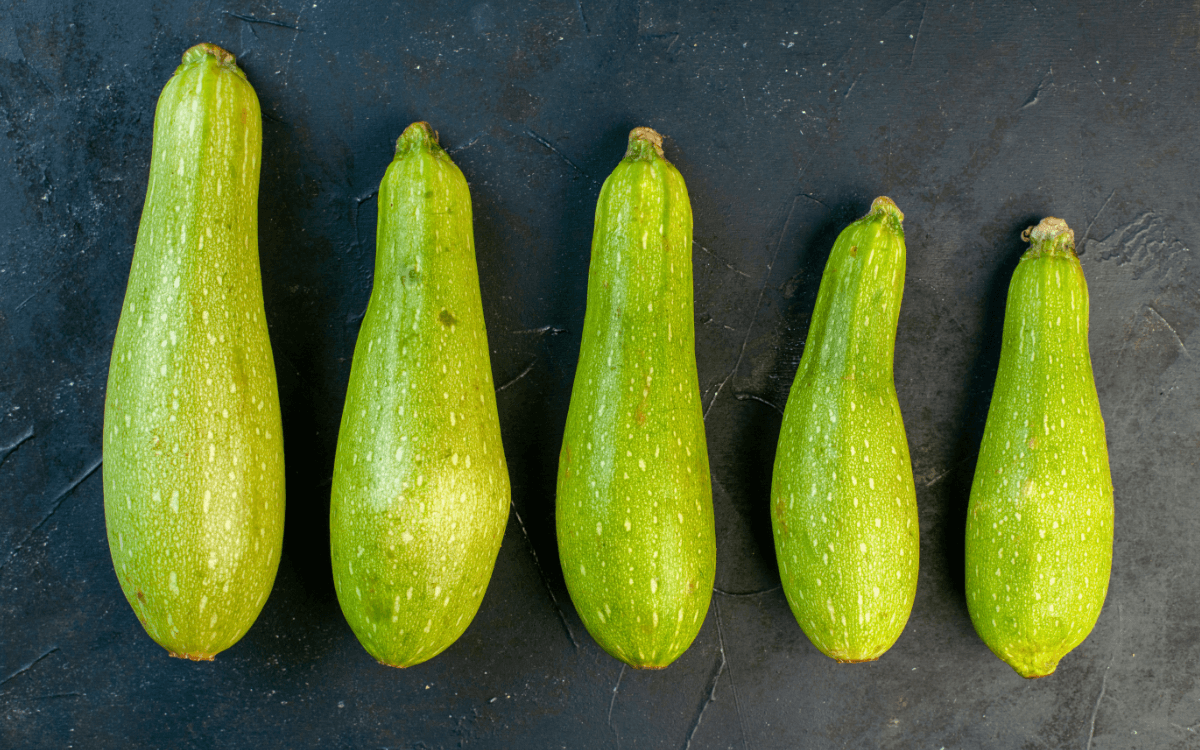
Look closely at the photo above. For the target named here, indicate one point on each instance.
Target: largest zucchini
(634, 506)
(193, 448)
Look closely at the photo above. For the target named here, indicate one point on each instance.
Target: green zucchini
(1040, 521)
(193, 447)
(634, 503)
(420, 486)
(844, 509)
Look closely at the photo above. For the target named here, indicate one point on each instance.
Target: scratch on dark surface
(265, 21)
(24, 302)
(466, 145)
(752, 397)
(1092, 223)
(746, 593)
(553, 148)
(613, 702)
(28, 666)
(1178, 340)
(758, 306)
(552, 330)
(722, 260)
(943, 475)
(582, 17)
(917, 39)
(1037, 93)
(7, 450)
(523, 374)
(48, 280)
(1104, 680)
(287, 66)
(57, 503)
(852, 85)
(545, 581)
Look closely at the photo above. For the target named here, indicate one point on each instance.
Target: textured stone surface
(977, 119)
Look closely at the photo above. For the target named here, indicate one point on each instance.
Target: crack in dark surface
(7, 450)
(1092, 223)
(1104, 680)
(613, 702)
(757, 307)
(541, 572)
(583, 18)
(357, 208)
(712, 693)
(1036, 96)
(60, 695)
(737, 704)
(752, 397)
(816, 200)
(28, 666)
(264, 21)
(1170, 328)
(555, 149)
(759, 592)
(726, 263)
(58, 502)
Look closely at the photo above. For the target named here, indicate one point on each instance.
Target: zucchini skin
(420, 484)
(634, 502)
(844, 508)
(193, 443)
(1039, 532)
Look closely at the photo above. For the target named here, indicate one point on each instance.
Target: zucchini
(844, 508)
(420, 486)
(634, 502)
(1040, 520)
(193, 446)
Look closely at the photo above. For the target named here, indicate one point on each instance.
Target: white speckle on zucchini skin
(634, 500)
(188, 535)
(843, 507)
(430, 519)
(1041, 505)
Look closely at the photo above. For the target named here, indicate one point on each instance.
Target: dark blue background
(978, 118)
